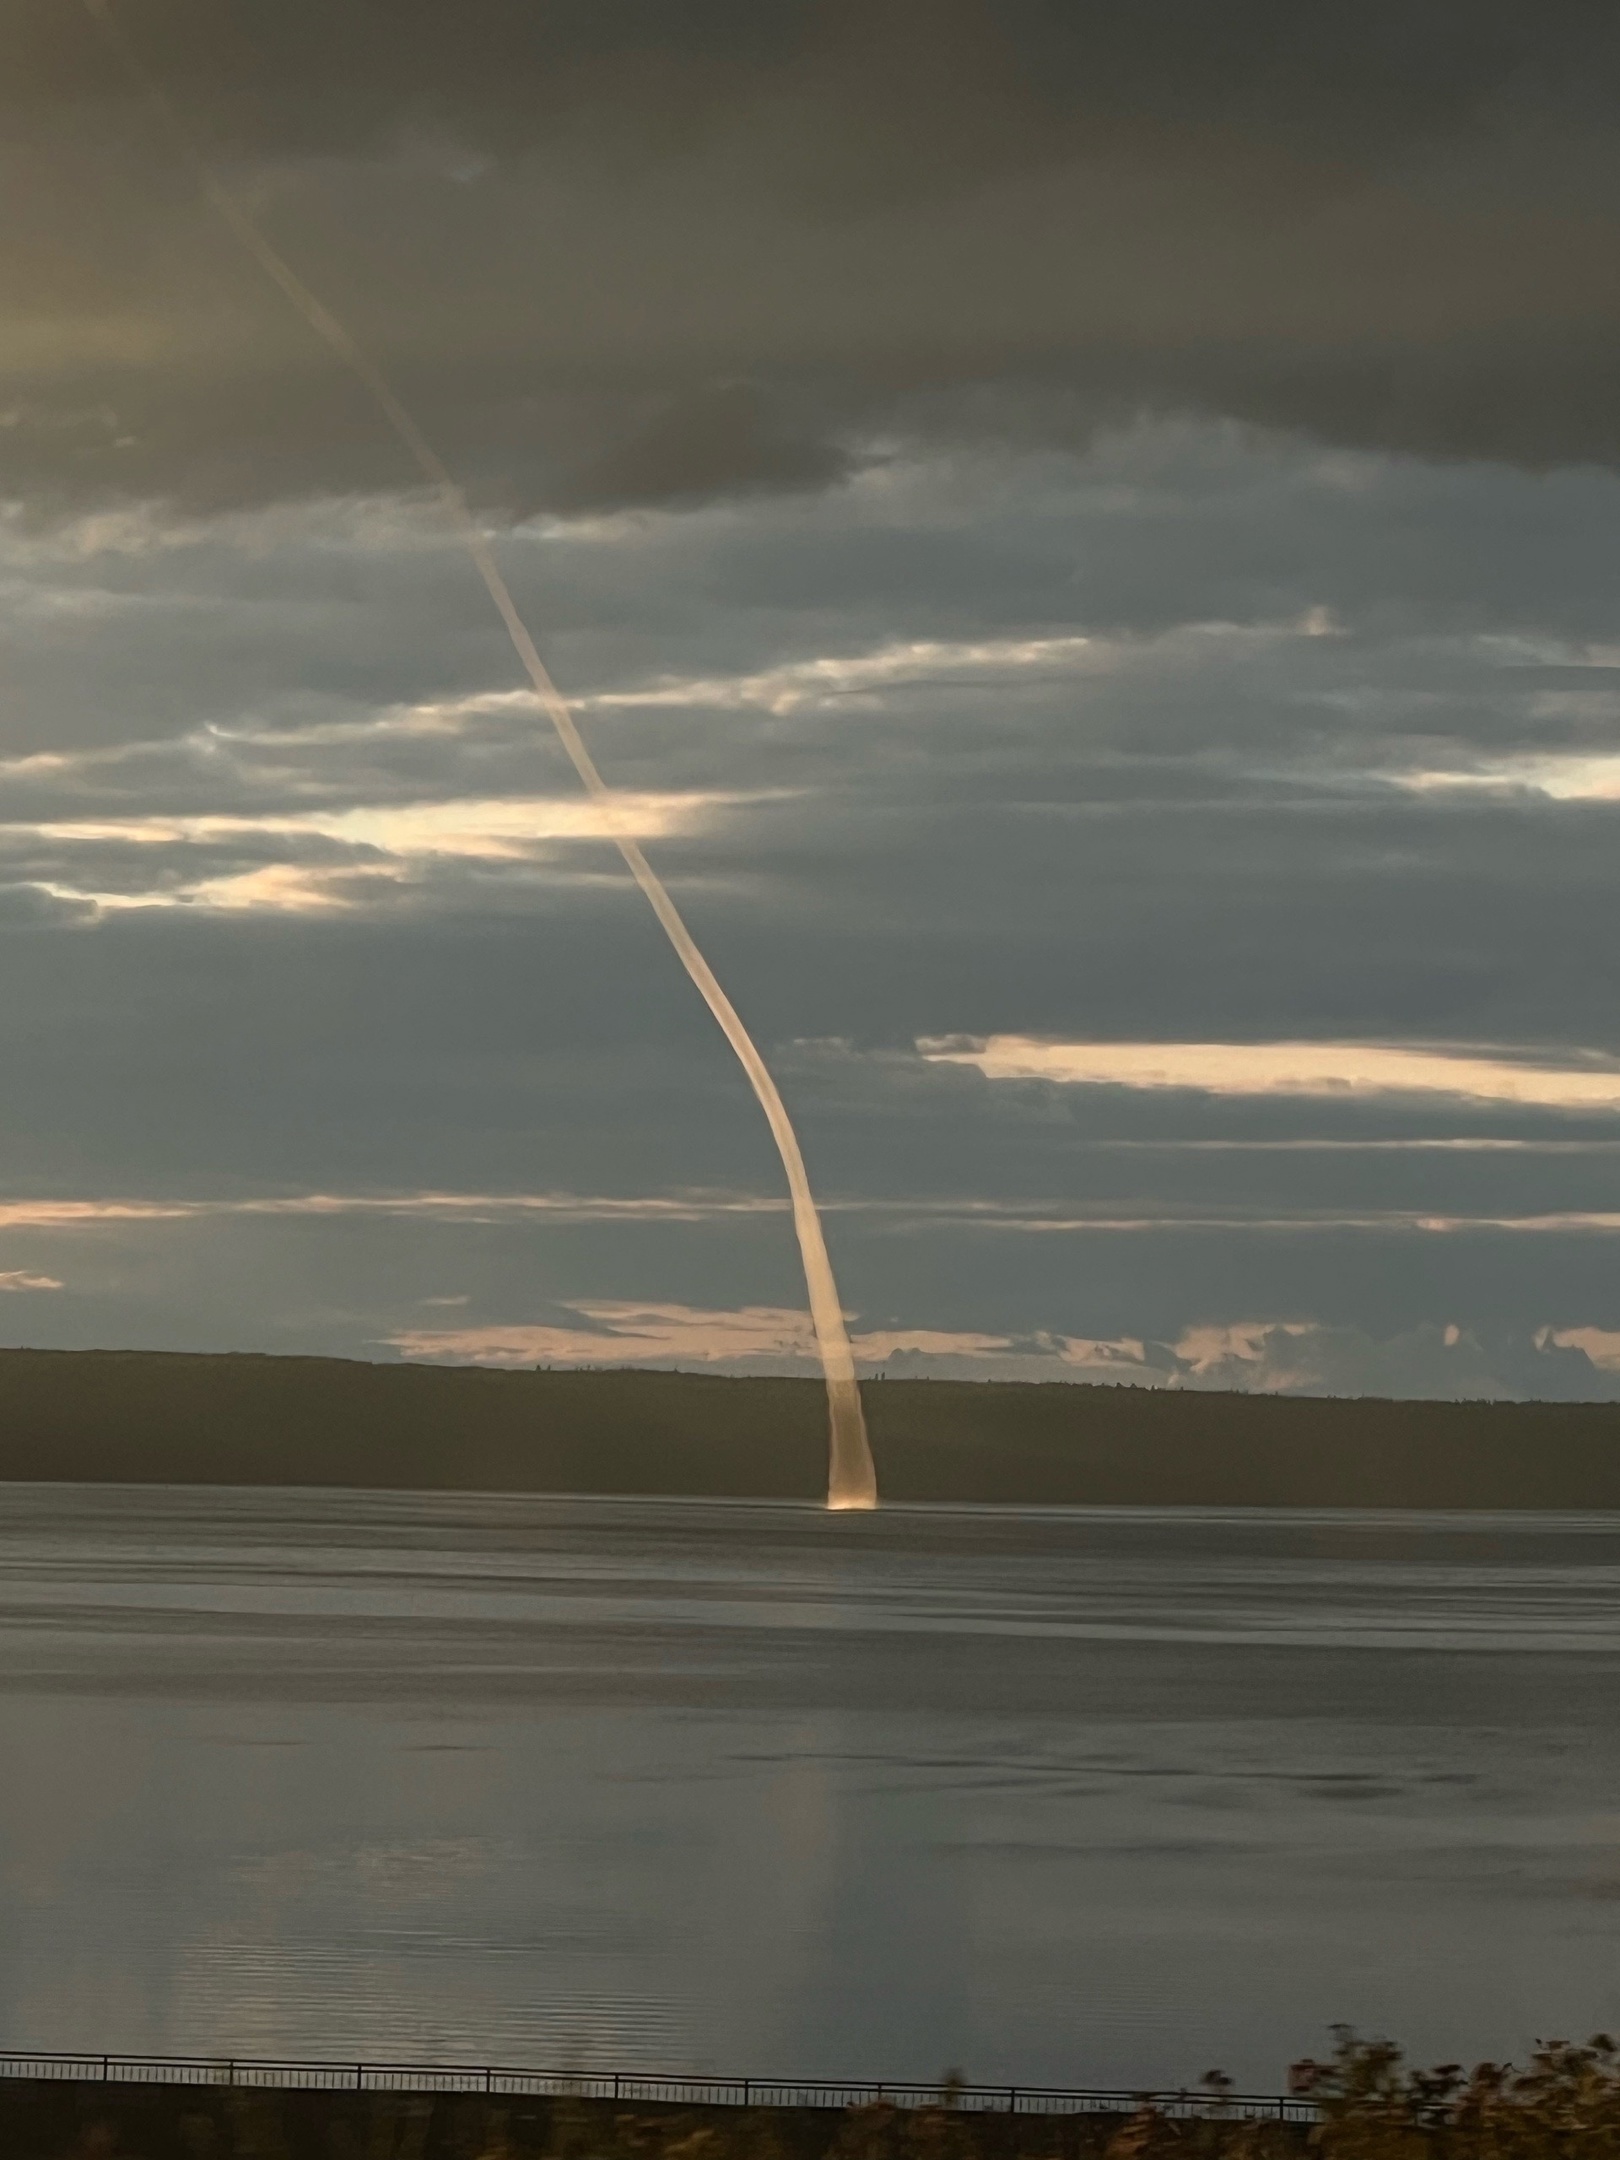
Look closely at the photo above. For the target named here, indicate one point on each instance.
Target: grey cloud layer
(1106, 749)
(867, 401)
(1141, 744)
(626, 254)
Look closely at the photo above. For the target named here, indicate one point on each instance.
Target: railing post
(359, 2077)
(104, 2061)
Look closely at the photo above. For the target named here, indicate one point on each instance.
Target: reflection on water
(1054, 1795)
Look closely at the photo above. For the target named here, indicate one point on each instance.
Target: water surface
(1065, 1795)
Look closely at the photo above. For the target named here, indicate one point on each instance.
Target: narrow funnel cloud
(852, 1479)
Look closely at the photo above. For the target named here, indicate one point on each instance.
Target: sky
(1087, 539)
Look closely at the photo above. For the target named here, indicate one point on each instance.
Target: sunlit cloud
(435, 718)
(1262, 1357)
(621, 1333)
(1572, 776)
(1407, 1144)
(912, 662)
(835, 678)
(448, 720)
(1091, 1358)
(368, 848)
(492, 828)
(1382, 1222)
(559, 1207)
(20, 1279)
(1328, 1069)
(89, 1214)
(878, 1344)
(1207, 1349)
(988, 1216)
(1601, 1345)
(896, 1214)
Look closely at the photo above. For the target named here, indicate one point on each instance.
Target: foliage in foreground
(1372, 2106)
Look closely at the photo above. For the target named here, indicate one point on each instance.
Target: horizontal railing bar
(327, 2073)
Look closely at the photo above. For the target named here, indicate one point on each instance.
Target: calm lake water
(1063, 1795)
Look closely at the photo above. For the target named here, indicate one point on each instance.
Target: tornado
(851, 1475)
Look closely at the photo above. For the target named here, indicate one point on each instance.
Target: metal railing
(656, 2088)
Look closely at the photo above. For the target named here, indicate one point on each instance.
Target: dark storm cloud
(1245, 597)
(721, 440)
(624, 252)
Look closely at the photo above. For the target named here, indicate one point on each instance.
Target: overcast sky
(1087, 538)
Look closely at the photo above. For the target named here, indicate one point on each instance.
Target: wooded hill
(252, 1420)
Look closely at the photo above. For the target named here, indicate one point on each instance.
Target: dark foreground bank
(249, 1420)
(1369, 2106)
(41, 2120)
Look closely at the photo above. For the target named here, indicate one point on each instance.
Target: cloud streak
(836, 679)
(1262, 1357)
(758, 1337)
(897, 1214)
(1563, 777)
(69, 1214)
(365, 853)
(1330, 1070)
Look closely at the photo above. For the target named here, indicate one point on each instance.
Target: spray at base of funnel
(851, 1480)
